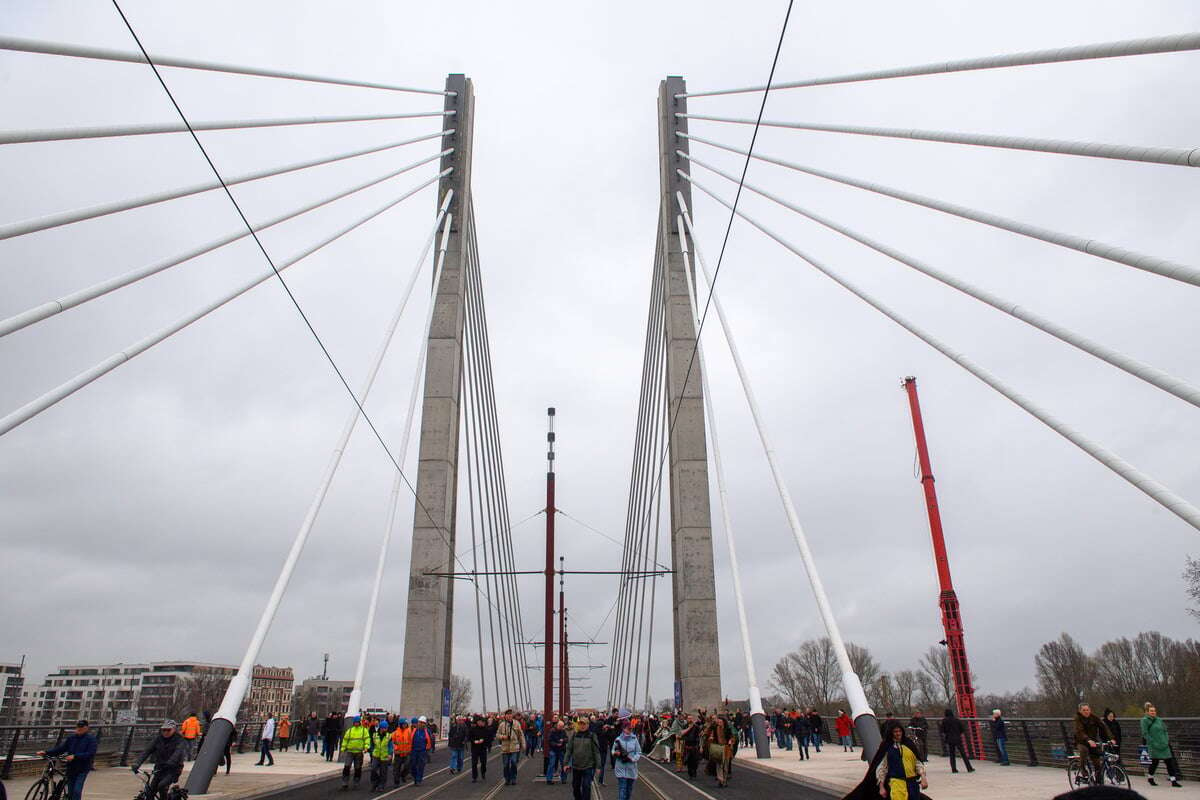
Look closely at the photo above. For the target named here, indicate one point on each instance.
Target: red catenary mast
(964, 693)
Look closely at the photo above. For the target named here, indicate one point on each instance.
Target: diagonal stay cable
(598, 532)
(308, 323)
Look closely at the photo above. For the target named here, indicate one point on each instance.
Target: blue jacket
(422, 741)
(82, 747)
(999, 729)
(629, 743)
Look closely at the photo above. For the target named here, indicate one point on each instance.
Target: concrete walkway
(244, 782)
(839, 772)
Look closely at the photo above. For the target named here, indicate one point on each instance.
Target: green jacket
(382, 747)
(356, 739)
(583, 751)
(1154, 731)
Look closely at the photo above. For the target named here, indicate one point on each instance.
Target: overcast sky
(145, 518)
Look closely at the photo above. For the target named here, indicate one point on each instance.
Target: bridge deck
(838, 772)
(292, 770)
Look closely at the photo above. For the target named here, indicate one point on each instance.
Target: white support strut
(1174, 156)
(1155, 490)
(1151, 375)
(1082, 244)
(735, 569)
(19, 45)
(235, 693)
(50, 308)
(66, 389)
(355, 701)
(145, 129)
(92, 212)
(1177, 43)
(855, 695)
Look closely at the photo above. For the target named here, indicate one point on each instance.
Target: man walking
(190, 731)
(556, 747)
(952, 731)
(331, 730)
(1000, 736)
(355, 742)
(510, 738)
(422, 746)
(401, 750)
(312, 729)
(456, 740)
(583, 754)
(381, 757)
(80, 748)
(268, 736)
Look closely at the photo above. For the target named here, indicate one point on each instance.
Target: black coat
(952, 728)
(165, 752)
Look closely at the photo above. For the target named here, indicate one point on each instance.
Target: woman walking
(1154, 732)
(895, 772)
(625, 754)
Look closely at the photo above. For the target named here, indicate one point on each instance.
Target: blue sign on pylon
(679, 694)
(446, 702)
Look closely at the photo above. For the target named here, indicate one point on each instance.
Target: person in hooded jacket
(625, 753)
(895, 771)
(381, 757)
(952, 731)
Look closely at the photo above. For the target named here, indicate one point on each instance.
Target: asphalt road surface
(655, 783)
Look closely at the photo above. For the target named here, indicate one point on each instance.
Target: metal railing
(1047, 741)
(116, 744)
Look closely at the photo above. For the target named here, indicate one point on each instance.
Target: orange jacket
(190, 728)
(402, 741)
(285, 729)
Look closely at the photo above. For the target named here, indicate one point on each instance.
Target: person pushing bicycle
(169, 751)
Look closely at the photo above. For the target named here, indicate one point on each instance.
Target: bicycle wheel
(39, 791)
(1117, 776)
(1072, 774)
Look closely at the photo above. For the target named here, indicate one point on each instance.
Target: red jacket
(843, 724)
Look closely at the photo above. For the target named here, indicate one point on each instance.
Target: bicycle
(146, 793)
(1112, 773)
(52, 783)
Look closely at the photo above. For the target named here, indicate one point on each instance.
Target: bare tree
(460, 695)
(863, 663)
(1191, 581)
(935, 665)
(1064, 672)
(905, 682)
(808, 675)
(881, 693)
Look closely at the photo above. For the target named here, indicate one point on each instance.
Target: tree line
(1120, 674)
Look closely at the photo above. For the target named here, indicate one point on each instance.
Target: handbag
(1144, 756)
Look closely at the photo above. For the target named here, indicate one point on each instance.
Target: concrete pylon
(693, 584)
(429, 632)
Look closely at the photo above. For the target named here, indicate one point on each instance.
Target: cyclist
(1090, 730)
(80, 748)
(169, 751)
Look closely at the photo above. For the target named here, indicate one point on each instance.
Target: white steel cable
(92, 212)
(735, 569)
(236, 690)
(143, 129)
(1082, 244)
(1174, 156)
(66, 389)
(355, 701)
(855, 695)
(17, 44)
(1161, 494)
(1129, 47)
(50, 308)
(1151, 375)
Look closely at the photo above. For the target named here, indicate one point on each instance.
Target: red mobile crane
(964, 692)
